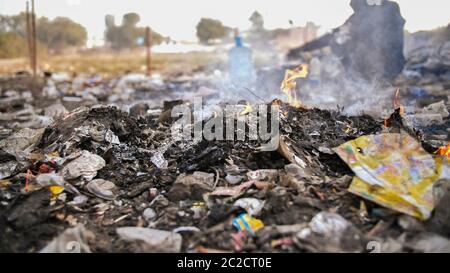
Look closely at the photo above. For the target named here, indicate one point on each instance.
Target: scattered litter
(186, 229)
(248, 223)
(151, 240)
(149, 214)
(72, 240)
(392, 170)
(50, 179)
(101, 151)
(285, 149)
(191, 186)
(102, 188)
(159, 160)
(232, 191)
(7, 169)
(21, 143)
(84, 165)
(253, 206)
(263, 175)
(234, 179)
(328, 224)
(79, 200)
(430, 243)
(55, 111)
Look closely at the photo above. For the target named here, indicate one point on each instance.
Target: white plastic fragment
(72, 240)
(328, 224)
(102, 188)
(253, 206)
(159, 160)
(151, 240)
(50, 179)
(85, 166)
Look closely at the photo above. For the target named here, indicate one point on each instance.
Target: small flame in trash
(289, 84)
(444, 150)
(247, 110)
(397, 103)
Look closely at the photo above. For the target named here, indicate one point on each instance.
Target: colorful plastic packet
(247, 222)
(394, 171)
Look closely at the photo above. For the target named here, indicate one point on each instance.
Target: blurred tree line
(128, 34)
(53, 35)
(209, 30)
(61, 32)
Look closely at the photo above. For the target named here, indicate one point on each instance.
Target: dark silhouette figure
(369, 43)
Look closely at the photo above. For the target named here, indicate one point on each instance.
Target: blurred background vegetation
(52, 35)
(62, 45)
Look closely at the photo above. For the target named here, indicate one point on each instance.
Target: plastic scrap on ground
(394, 171)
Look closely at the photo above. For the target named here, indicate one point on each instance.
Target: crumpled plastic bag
(151, 240)
(84, 165)
(394, 171)
(7, 169)
(21, 143)
(72, 240)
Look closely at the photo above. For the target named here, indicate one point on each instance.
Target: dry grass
(109, 63)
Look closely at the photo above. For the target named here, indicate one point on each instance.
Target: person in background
(369, 44)
(240, 64)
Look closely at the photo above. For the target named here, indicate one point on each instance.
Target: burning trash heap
(78, 176)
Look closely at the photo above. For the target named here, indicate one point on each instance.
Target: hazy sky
(178, 18)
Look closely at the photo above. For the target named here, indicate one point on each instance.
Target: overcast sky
(178, 18)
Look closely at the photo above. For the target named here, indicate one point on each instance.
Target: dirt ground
(91, 159)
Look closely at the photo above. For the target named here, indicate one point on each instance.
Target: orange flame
(289, 84)
(444, 150)
(397, 103)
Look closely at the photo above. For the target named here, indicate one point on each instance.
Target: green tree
(51, 34)
(131, 19)
(60, 33)
(127, 34)
(209, 29)
(13, 23)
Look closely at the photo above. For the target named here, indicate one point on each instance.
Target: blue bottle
(240, 65)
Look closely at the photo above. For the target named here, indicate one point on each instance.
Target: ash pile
(104, 165)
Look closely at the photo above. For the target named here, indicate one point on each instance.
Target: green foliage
(209, 29)
(60, 33)
(51, 34)
(131, 19)
(127, 34)
(13, 23)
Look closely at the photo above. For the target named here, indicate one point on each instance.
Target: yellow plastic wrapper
(56, 189)
(394, 171)
(53, 154)
(4, 183)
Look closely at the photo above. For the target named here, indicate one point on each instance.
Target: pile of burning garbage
(86, 173)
